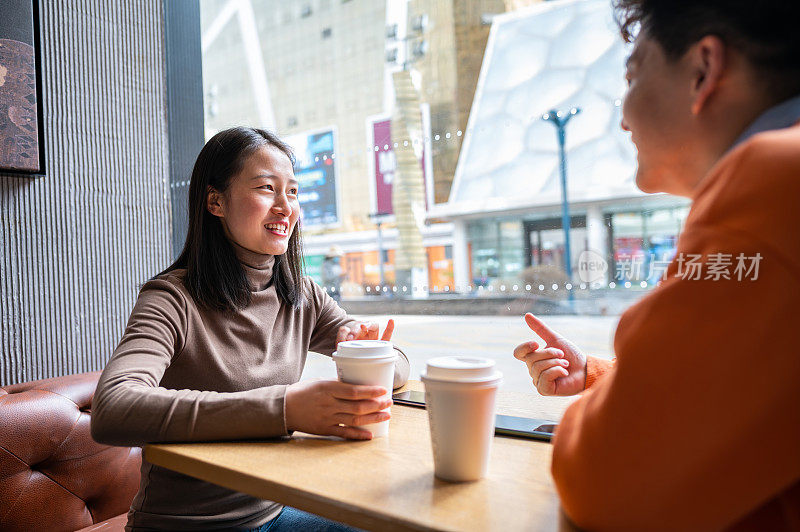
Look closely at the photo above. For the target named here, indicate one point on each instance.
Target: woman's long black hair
(214, 276)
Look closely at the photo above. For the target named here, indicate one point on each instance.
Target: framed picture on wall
(21, 136)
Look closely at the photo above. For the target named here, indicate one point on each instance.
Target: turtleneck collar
(257, 266)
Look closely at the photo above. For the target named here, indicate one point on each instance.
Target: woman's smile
(278, 228)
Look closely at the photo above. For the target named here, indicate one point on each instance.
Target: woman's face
(259, 210)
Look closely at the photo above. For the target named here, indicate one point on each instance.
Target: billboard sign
(316, 172)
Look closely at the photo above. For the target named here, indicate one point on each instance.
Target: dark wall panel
(184, 106)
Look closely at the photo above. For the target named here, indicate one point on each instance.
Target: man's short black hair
(764, 31)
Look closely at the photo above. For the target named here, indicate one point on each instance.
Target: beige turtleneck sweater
(182, 373)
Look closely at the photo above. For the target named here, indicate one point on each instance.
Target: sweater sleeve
(596, 369)
(330, 316)
(130, 408)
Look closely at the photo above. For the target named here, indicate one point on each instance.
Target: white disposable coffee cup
(368, 362)
(460, 397)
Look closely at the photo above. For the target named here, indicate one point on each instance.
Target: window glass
(428, 139)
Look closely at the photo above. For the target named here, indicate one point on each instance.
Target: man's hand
(365, 331)
(322, 407)
(557, 369)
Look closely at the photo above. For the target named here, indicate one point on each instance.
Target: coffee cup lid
(461, 369)
(364, 349)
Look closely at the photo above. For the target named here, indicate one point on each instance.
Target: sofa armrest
(53, 476)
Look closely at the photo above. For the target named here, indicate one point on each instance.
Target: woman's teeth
(278, 228)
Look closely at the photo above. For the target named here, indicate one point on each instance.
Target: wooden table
(388, 483)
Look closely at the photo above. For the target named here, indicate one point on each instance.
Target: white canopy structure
(553, 55)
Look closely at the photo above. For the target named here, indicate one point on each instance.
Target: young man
(696, 424)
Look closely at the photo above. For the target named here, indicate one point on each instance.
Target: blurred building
(456, 33)
(318, 67)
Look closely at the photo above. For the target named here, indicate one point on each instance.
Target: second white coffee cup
(369, 362)
(460, 398)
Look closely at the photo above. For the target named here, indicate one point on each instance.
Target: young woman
(216, 343)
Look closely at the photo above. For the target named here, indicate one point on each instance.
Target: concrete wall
(77, 243)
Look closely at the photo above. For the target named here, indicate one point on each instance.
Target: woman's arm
(330, 318)
(130, 408)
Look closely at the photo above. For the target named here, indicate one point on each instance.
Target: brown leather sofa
(53, 476)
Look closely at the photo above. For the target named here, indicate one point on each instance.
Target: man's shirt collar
(785, 114)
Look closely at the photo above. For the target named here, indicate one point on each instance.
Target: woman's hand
(364, 331)
(557, 369)
(322, 407)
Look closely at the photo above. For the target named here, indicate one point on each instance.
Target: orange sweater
(697, 426)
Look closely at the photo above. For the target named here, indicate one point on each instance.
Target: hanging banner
(384, 164)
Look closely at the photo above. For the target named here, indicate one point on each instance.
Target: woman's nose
(282, 205)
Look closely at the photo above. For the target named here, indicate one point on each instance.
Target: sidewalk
(605, 302)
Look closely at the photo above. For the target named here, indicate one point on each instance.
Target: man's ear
(215, 202)
(708, 63)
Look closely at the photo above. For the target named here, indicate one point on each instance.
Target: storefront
(635, 242)
(363, 269)
(643, 242)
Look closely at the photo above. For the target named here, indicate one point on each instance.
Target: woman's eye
(293, 191)
(268, 187)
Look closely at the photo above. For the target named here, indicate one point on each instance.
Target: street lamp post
(560, 119)
(378, 219)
